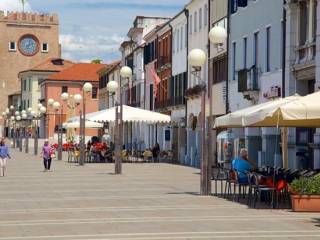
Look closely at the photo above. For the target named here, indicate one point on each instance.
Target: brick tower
(26, 39)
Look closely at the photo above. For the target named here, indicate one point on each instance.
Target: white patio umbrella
(88, 124)
(130, 114)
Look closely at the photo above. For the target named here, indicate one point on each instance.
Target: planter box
(305, 203)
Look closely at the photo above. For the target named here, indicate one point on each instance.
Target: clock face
(28, 45)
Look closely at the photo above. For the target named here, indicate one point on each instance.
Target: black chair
(269, 193)
(219, 175)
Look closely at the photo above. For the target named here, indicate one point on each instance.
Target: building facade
(218, 71)
(29, 79)
(255, 69)
(26, 39)
(71, 81)
(178, 83)
(302, 73)
(198, 12)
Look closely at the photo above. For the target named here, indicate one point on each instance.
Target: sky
(94, 29)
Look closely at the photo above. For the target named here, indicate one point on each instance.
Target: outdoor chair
(219, 175)
(260, 191)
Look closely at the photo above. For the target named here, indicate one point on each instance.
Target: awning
(88, 124)
(130, 114)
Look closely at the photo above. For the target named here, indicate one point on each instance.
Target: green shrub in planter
(306, 186)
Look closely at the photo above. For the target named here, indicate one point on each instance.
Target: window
(219, 70)
(45, 47)
(205, 15)
(28, 104)
(268, 30)
(234, 6)
(174, 41)
(30, 84)
(200, 18)
(245, 50)
(64, 89)
(24, 84)
(234, 48)
(281, 43)
(181, 38)
(195, 21)
(178, 40)
(94, 93)
(303, 25)
(190, 24)
(12, 46)
(256, 49)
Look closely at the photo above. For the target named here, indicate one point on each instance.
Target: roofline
(66, 81)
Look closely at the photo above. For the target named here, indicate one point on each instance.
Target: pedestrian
(4, 155)
(46, 154)
(156, 152)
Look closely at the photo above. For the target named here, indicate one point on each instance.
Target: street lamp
(37, 115)
(197, 59)
(112, 87)
(217, 36)
(86, 89)
(57, 106)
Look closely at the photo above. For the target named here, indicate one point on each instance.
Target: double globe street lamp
(197, 58)
(78, 99)
(113, 87)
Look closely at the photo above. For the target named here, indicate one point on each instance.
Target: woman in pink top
(46, 154)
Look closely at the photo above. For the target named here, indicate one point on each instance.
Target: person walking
(46, 154)
(4, 155)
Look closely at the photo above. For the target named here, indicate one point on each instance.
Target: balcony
(164, 63)
(248, 80)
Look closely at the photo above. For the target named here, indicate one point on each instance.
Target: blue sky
(92, 29)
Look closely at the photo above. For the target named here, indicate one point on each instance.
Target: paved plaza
(147, 202)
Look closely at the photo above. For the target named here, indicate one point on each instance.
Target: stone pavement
(147, 202)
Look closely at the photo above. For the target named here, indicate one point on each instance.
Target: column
(311, 39)
(253, 143)
(316, 137)
(292, 157)
(270, 146)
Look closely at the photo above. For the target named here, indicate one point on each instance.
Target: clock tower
(26, 39)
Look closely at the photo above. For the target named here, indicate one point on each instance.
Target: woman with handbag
(4, 155)
(46, 154)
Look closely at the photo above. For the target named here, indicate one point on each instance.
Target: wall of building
(54, 89)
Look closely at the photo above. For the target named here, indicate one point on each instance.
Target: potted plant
(305, 194)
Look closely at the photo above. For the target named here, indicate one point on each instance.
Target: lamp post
(217, 36)
(125, 73)
(24, 117)
(197, 59)
(37, 116)
(78, 98)
(56, 106)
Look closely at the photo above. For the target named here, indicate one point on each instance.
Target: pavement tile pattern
(147, 202)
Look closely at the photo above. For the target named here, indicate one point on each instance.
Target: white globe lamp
(197, 58)
(18, 118)
(56, 106)
(87, 87)
(126, 72)
(24, 116)
(50, 101)
(112, 86)
(218, 35)
(64, 96)
(17, 113)
(29, 110)
(43, 110)
(77, 98)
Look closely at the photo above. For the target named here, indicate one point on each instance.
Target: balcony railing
(248, 80)
(163, 60)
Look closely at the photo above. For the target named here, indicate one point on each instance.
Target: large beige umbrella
(257, 113)
(301, 112)
(76, 124)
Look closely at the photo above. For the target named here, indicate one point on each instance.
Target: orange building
(70, 80)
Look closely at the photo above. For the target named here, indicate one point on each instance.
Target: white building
(197, 38)
(255, 69)
(179, 82)
(303, 75)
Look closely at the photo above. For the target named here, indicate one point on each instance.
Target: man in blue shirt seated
(242, 165)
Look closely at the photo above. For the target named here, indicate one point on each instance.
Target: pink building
(70, 80)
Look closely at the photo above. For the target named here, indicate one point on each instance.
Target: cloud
(90, 47)
(14, 5)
